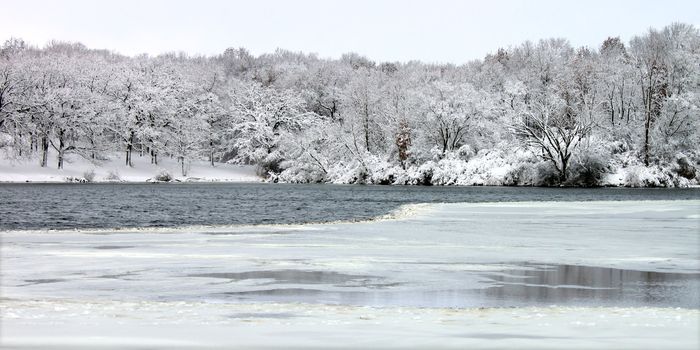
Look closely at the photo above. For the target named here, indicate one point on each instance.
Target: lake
(75, 206)
(475, 264)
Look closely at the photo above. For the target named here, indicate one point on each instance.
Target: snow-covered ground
(415, 280)
(25, 170)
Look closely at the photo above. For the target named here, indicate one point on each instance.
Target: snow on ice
(421, 279)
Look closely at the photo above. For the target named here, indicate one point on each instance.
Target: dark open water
(71, 206)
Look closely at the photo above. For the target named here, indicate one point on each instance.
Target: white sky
(392, 30)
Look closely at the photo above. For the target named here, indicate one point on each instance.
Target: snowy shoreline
(78, 170)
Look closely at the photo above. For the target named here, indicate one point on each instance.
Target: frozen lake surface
(604, 274)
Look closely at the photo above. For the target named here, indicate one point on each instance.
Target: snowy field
(429, 276)
(114, 169)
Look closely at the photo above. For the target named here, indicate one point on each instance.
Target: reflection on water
(114, 246)
(42, 281)
(290, 276)
(583, 284)
(522, 285)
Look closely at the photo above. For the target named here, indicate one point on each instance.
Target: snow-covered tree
(450, 112)
(263, 116)
(302, 118)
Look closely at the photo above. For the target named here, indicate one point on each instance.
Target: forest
(536, 114)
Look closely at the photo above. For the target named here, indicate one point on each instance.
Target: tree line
(540, 113)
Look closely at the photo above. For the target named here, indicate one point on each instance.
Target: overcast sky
(400, 30)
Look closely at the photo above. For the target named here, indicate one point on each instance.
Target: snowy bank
(486, 168)
(78, 169)
(500, 167)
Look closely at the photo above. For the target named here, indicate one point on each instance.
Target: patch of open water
(117, 206)
(525, 285)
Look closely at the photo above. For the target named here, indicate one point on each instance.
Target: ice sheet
(393, 282)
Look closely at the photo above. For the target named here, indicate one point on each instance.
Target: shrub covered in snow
(113, 175)
(89, 175)
(76, 179)
(684, 168)
(588, 171)
(163, 176)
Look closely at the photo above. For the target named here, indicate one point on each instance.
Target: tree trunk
(60, 148)
(647, 124)
(562, 175)
(129, 149)
(366, 126)
(647, 120)
(18, 144)
(44, 151)
(612, 110)
(211, 153)
(154, 157)
(128, 155)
